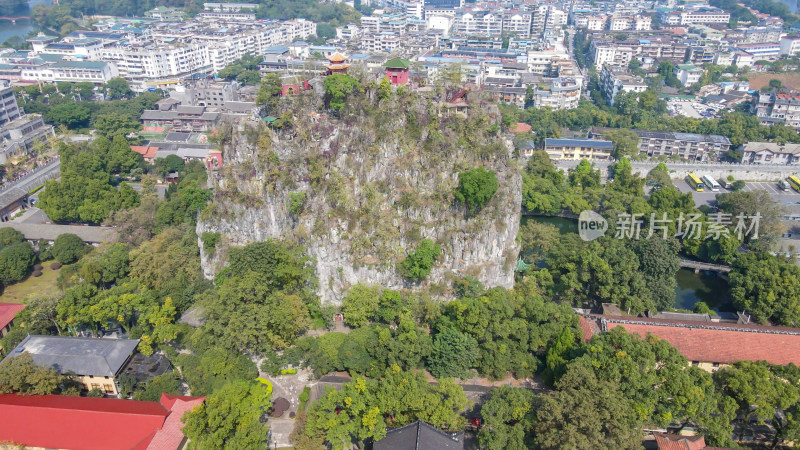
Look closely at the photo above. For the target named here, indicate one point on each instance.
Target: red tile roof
(722, 343)
(145, 151)
(170, 436)
(677, 442)
(521, 127)
(8, 311)
(589, 328)
(84, 423)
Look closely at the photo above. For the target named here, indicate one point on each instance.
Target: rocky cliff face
(374, 186)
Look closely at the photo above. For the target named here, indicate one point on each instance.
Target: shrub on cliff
(418, 263)
(475, 188)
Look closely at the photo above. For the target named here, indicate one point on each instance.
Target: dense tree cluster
(85, 192)
(70, 105)
(365, 407)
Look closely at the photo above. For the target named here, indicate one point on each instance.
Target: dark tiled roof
(420, 436)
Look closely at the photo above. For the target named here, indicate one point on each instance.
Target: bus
(711, 183)
(794, 182)
(695, 182)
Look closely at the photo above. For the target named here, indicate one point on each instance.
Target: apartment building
(692, 146)
(229, 7)
(478, 23)
(517, 24)
(561, 93)
(613, 81)
(768, 51)
(700, 16)
(603, 50)
(771, 153)
(9, 110)
(688, 74)
(778, 107)
(790, 45)
(625, 23)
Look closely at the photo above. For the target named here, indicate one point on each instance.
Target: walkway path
(697, 265)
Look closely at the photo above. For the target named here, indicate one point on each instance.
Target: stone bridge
(698, 266)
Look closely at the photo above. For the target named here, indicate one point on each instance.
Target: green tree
(10, 236)
(338, 87)
(244, 313)
(269, 94)
(117, 88)
(748, 205)
(418, 264)
(586, 413)
(453, 354)
(759, 393)
(626, 142)
(69, 248)
(230, 418)
(72, 115)
(166, 383)
(363, 408)
(21, 375)
(509, 416)
(114, 123)
(384, 89)
(360, 305)
(15, 262)
(766, 287)
(476, 187)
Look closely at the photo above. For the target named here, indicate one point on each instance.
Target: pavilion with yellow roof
(337, 64)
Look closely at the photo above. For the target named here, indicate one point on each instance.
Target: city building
(613, 81)
(577, 149)
(166, 14)
(63, 421)
(699, 147)
(769, 50)
(396, 70)
(95, 362)
(229, 7)
(561, 93)
(776, 107)
(19, 136)
(9, 109)
(771, 153)
(790, 45)
(688, 74)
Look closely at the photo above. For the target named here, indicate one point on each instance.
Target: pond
(23, 26)
(701, 287)
(691, 287)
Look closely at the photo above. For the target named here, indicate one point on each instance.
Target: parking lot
(691, 109)
(707, 197)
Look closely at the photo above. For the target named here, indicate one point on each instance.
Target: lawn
(43, 285)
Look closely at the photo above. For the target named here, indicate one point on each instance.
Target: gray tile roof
(78, 355)
(420, 436)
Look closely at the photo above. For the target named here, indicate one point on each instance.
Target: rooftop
(589, 143)
(8, 311)
(420, 436)
(60, 421)
(722, 343)
(78, 355)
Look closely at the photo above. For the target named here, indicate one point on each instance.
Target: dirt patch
(760, 80)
